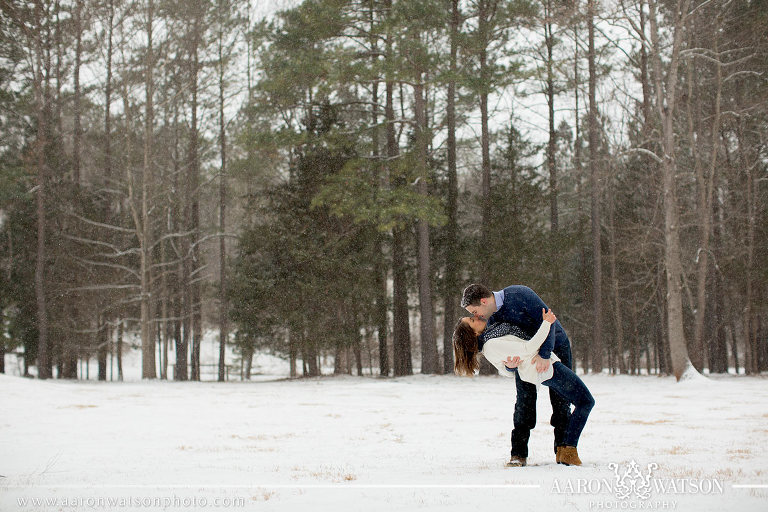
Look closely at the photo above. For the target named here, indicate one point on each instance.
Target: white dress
(496, 351)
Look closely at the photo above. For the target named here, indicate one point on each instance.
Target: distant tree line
(322, 182)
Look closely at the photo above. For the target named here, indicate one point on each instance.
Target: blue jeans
(525, 409)
(568, 385)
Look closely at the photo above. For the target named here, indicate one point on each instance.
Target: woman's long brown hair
(464, 350)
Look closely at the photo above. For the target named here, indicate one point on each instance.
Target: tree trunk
(579, 171)
(102, 350)
(2, 345)
(148, 370)
(750, 315)
(197, 330)
(339, 359)
(181, 371)
(76, 110)
(194, 197)
(42, 98)
(293, 353)
(705, 191)
(734, 342)
(401, 329)
(644, 80)
(665, 104)
(223, 301)
(762, 349)
(358, 351)
(452, 285)
(617, 307)
(484, 15)
(57, 104)
(381, 182)
(119, 350)
(662, 344)
(718, 355)
(108, 132)
(594, 182)
(635, 339)
(401, 332)
(180, 214)
(485, 201)
(381, 307)
(428, 343)
(167, 334)
(549, 41)
(164, 326)
(311, 357)
(248, 356)
(108, 98)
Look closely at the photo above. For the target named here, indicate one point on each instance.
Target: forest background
(323, 178)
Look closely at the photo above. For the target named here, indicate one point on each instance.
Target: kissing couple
(519, 335)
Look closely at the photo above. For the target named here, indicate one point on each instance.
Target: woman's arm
(510, 346)
(541, 335)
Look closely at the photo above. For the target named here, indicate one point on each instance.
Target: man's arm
(546, 348)
(533, 306)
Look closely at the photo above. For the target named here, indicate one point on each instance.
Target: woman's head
(475, 323)
(465, 347)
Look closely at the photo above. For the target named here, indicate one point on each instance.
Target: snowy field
(362, 443)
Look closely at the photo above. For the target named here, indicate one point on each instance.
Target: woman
(506, 352)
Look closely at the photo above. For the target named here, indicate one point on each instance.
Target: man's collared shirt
(499, 296)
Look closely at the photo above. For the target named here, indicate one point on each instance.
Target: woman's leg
(561, 408)
(573, 389)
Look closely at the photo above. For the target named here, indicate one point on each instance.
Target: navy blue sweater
(522, 308)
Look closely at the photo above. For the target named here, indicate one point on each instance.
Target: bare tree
(381, 179)
(76, 108)
(705, 186)
(148, 370)
(665, 86)
(40, 29)
(224, 48)
(486, 12)
(401, 332)
(428, 343)
(594, 182)
(452, 251)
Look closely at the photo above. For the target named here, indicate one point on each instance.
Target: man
(521, 307)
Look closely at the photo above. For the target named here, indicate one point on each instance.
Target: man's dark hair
(473, 293)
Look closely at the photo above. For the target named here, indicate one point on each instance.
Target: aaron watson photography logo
(634, 487)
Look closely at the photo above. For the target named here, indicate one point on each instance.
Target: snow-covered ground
(338, 443)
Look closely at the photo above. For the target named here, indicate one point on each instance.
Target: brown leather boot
(557, 454)
(517, 462)
(569, 456)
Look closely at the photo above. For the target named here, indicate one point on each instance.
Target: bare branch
(102, 225)
(645, 152)
(104, 287)
(109, 265)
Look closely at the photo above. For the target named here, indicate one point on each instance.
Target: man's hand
(512, 362)
(542, 364)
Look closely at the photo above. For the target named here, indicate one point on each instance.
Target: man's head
(478, 301)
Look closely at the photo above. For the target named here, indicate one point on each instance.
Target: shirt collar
(499, 296)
